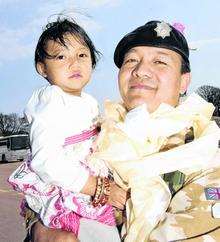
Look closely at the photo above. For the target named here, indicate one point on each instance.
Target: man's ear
(184, 82)
(41, 69)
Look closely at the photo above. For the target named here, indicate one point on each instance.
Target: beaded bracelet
(98, 192)
(106, 192)
(102, 192)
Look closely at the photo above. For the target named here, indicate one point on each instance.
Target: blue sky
(106, 21)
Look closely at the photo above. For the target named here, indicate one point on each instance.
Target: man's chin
(136, 102)
(151, 107)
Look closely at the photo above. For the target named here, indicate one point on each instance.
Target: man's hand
(117, 197)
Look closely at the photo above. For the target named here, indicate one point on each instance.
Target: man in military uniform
(154, 68)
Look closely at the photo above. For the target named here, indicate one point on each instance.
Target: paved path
(11, 223)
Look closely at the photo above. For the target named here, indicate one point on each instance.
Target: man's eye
(159, 62)
(131, 60)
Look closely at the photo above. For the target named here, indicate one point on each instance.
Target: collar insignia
(212, 193)
(163, 30)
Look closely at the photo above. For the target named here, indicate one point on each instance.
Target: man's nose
(143, 69)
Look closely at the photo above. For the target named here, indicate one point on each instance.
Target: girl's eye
(83, 55)
(60, 57)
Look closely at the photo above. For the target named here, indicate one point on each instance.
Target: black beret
(155, 34)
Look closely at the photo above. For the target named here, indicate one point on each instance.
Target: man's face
(153, 76)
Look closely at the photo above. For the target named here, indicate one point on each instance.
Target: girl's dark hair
(56, 31)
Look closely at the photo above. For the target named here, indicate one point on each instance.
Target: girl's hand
(117, 197)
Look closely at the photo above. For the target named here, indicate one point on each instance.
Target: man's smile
(142, 86)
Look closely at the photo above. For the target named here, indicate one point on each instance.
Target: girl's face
(71, 66)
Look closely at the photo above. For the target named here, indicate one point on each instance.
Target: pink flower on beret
(180, 27)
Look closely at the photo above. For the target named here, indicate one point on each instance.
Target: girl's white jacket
(55, 115)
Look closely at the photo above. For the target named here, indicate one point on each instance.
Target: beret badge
(163, 30)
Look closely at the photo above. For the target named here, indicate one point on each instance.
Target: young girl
(57, 182)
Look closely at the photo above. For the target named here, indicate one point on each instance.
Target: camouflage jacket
(194, 210)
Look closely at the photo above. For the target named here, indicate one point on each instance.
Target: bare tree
(211, 94)
(12, 124)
